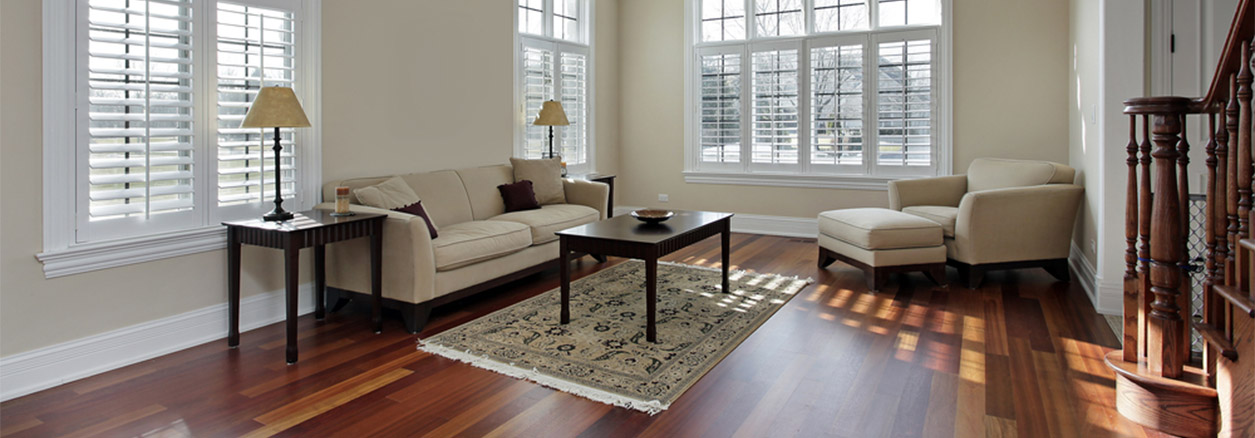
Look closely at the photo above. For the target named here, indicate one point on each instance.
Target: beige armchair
(1004, 214)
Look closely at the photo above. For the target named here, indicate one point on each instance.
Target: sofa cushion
(471, 242)
(946, 216)
(880, 228)
(550, 219)
(481, 187)
(518, 196)
(546, 177)
(391, 194)
(996, 173)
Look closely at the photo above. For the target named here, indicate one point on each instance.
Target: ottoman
(880, 242)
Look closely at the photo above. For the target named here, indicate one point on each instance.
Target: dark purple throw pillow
(518, 196)
(418, 210)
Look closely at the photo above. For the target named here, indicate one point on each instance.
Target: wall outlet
(662, 197)
(1093, 246)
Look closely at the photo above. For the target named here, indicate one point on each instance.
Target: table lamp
(276, 107)
(551, 115)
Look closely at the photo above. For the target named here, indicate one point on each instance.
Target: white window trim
(693, 168)
(62, 255)
(588, 15)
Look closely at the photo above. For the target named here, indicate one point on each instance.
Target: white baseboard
(761, 224)
(1106, 298)
(36, 370)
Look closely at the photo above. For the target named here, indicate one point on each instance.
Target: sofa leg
(1058, 269)
(970, 276)
(825, 257)
(338, 299)
(415, 316)
(598, 257)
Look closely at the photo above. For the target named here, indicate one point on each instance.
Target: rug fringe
(651, 407)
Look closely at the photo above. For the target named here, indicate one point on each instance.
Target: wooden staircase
(1158, 384)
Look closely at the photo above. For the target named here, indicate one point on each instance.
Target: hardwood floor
(1021, 356)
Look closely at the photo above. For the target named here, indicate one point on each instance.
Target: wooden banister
(1154, 370)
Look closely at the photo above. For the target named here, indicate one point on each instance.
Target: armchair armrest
(943, 191)
(408, 258)
(1016, 224)
(589, 193)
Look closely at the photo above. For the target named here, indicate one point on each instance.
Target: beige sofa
(1003, 214)
(478, 246)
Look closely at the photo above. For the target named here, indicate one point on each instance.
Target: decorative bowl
(652, 216)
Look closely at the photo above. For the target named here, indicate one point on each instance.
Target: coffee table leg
(651, 298)
(320, 282)
(564, 275)
(726, 237)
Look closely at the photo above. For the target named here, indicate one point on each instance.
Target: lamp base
(278, 214)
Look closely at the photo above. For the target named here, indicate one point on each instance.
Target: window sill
(78, 259)
(818, 181)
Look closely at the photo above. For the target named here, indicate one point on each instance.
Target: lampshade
(275, 107)
(551, 115)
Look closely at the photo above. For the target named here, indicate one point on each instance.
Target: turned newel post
(1166, 343)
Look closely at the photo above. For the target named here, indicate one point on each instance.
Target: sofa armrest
(589, 193)
(1016, 224)
(409, 263)
(943, 191)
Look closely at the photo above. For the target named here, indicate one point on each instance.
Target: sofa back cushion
(998, 173)
(481, 187)
(442, 193)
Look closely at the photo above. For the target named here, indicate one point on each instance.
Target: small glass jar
(342, 202)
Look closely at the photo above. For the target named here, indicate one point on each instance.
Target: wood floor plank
(1020, 356)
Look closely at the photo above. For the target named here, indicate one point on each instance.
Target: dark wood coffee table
(625, 236)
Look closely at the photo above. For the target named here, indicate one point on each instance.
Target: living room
(118, 318)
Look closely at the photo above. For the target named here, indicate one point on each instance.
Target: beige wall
(1010, 88)
(437, 95)
(1084, 138)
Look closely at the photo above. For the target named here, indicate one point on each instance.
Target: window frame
(65, 251)
(869, 175)
(522, 119)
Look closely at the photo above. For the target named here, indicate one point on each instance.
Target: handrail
(1242, 29)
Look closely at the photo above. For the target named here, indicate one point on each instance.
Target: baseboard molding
(762, 224)
(1100, 294)
(36, 370)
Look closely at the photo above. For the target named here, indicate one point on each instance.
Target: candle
(342, 201)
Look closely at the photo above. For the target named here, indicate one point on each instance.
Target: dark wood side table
(608, 180)
(314, 228)
(625, 236)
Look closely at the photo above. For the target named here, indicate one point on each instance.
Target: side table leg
(726, 237)
(233, 287)
(320, 282)
(564, 277)
(376, 276)
(291, 273)
(651, 298)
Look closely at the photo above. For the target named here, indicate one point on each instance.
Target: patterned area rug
(602, 354)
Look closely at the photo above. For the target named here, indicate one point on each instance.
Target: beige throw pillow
(546, 177)
(390, 194)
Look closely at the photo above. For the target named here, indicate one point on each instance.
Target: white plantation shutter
(775, 107)
(837, 105)
(256, 48)
(720, 108)
(904, 109)
(537, 88)
(137, 100)
(575, 104)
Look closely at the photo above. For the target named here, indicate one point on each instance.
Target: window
(837, 93)
(555, 63)
(142, 114)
